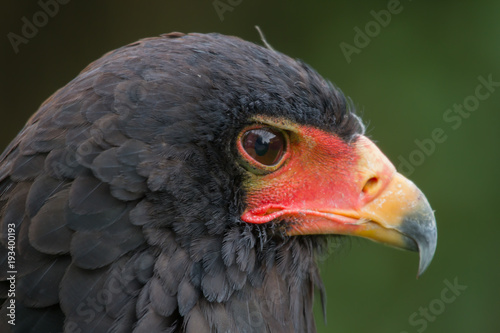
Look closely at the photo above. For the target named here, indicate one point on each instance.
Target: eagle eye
(263, 147)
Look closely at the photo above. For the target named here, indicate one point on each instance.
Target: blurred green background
(412, 70)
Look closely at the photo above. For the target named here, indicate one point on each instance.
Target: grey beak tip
(427, 248)
(421, 228)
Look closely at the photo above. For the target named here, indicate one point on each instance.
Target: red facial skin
(321, 176)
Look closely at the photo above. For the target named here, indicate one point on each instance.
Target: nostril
(371, 186)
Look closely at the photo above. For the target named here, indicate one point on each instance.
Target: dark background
(425, 60)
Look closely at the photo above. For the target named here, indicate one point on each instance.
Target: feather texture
(48, 232)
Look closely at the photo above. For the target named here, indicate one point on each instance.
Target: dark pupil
(264, 145)
(261, 148)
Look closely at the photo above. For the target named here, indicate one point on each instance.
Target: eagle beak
(402, 217)
(390, 209)
(399, 216)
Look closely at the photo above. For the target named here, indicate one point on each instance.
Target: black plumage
(127, 196)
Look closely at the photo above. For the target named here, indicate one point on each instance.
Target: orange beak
(332, 187)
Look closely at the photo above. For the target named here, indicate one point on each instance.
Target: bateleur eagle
(188, 183)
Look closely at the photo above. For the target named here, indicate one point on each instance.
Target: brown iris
(265, 145)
